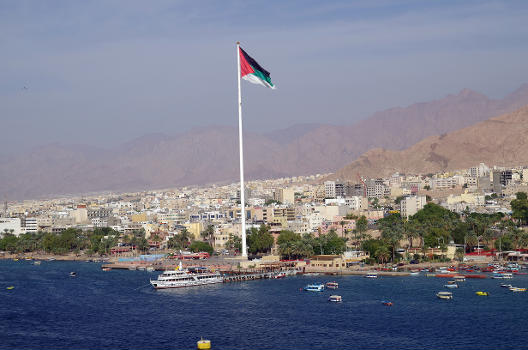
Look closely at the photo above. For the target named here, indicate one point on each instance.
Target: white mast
(242, 192)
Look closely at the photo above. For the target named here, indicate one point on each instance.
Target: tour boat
(371, 275)
(484, 294)
(332, 285)
(335, 298)
(315, 287)
(444, 295)
(186, 278)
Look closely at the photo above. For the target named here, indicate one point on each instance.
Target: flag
(253, 72)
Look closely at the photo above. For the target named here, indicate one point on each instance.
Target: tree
(180, 241)
(259, 241)
(198, 246)
(234, 243)
(208, 234)
(382, 254)
(520, 208)
(392, 231)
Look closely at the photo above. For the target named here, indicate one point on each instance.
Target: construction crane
(364, 185)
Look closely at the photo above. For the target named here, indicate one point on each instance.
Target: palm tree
(382, 254)
(342, 223)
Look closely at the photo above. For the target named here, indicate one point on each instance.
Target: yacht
(186, 278)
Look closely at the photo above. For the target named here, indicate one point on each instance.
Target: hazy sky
(104, 72)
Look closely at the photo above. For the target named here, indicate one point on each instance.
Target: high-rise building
(411, 205)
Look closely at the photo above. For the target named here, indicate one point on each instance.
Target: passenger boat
(444, 295)
(517, 289)
(484, 294)
(371, 275)
(332, 285)
(335, 298)
(315, 287)
(387, 303)
(186, 278)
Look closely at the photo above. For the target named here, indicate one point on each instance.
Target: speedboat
(332, 285)
(335, 298)
(484, 294)
(517, 289)
(371, 275)
(73, 274)
(387, 303)
(444, 295)
(315, 287)
(506, 285)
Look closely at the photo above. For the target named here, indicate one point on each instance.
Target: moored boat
(314, 287)
(332, 285)
(186, 278)
(335, 298)
(371, 275)
(444, 295)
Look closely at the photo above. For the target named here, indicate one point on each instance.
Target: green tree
(520, 208)
(208, 234)
(391, 228)
(234, 243)
(198, 246)
(259, 240)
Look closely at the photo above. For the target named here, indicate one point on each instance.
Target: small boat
(315, 287)
(203, 344)
(279, 275)
(414, 273)
(460, 278)
(150, 269)
(451, 285)
(386, 303)
(484, 294)
(508, 276)
(107, 269)
(371, 275)
(506, 285)
(10, 287)
(15, 259)
(335, 298)
(132, 268)
(332, 285)
(517, 289)
(73, 274)
(36, 262)
(444, 295)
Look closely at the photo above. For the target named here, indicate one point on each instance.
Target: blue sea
(48, 309)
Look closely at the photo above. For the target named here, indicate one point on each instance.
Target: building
(10, 225)
(284, 195)
(30, 225)
(330, 189)
(411, 205)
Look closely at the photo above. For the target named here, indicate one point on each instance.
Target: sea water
(119, 310)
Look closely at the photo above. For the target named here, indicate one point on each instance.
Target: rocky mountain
(210, 154)
(500, 141)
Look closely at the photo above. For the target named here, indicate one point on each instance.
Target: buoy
(10, 287)
(203, 344)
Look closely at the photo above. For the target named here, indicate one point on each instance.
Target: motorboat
(517, 289)
(73, 274)
(371, 275)
(484, 294)
(459, 278)
(332, 285)
(150, 269)
(414, 273)
(444, 295)
(451, 285)
(386, 303)
(107, 269)
(279, 275)
(315, 287)
(181, 277)
(335, 298)
(506, 285)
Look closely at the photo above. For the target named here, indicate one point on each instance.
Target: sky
(104, 72)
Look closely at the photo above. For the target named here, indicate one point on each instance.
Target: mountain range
(210, 154)
(501, 141)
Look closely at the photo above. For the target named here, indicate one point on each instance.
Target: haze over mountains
(210, 154)
(499, 141)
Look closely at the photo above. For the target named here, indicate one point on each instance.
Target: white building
(410, 205)
(10, 225)
(31, 225)
(330, 189)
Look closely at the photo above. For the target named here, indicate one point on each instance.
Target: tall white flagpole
(242, 192)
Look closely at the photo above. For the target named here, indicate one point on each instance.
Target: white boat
(150, 269)
(335, 298)
(517, 289)
(371, 275)
(332, 285)
(315, 287)
(459, 278)
(414, 273)
(73, 274)
(186, 278)
(506, 285)
(451, 285)
(444, 295)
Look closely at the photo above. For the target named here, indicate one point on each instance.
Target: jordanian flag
(253, 72)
